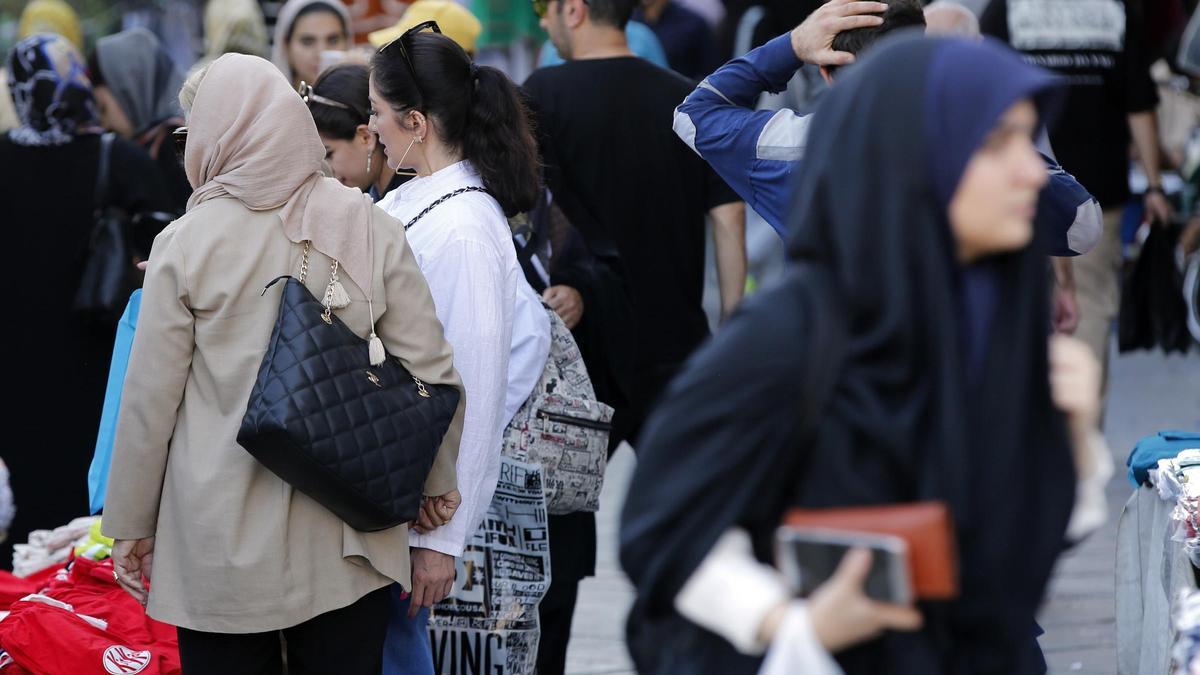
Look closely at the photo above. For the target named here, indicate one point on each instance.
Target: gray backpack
(563, 427)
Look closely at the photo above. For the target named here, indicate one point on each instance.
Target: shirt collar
(424, 189)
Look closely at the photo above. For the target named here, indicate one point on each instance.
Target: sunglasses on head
(310, 97)
(431, 26)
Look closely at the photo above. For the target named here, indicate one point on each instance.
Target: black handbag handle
(273, 282)
(102, 173)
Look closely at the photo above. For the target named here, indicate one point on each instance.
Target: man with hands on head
(758, 151)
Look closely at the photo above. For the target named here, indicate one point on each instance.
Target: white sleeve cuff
(449, 546)
(731, 593)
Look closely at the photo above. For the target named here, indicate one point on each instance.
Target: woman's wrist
(769, 628)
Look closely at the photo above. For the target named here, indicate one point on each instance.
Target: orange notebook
(925, 526)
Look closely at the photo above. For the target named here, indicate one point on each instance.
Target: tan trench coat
(237, 549)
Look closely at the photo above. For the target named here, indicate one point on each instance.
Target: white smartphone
(331, 58)
(808, 557)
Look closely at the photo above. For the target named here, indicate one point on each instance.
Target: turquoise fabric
(1163, 445)
(98, 473)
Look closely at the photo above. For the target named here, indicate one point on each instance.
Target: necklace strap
(437, 202)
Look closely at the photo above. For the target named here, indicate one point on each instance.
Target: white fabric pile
(50, 547)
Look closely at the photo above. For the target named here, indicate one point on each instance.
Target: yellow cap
(51, 16)
(457, 23)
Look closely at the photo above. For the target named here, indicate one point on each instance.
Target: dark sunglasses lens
(180, 138)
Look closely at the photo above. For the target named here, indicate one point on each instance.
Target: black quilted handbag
(358, 439)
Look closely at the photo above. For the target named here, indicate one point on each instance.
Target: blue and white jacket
(756, 151)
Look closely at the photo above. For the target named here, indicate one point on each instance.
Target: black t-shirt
(624, 179)
(1098, 45)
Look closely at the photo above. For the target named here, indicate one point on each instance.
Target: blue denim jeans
(407, 650)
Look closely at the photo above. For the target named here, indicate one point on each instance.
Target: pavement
(1148, 392)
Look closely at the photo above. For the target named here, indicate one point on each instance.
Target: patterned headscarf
(51, 90)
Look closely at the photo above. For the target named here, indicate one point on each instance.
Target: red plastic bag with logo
(83, 623)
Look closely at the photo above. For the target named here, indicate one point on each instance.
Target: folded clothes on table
(50, 547)
(1150, 449)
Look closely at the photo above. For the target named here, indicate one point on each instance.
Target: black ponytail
(475, 109)
(499, 141)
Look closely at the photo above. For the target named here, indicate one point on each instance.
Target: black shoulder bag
(108, 272)
(358, 439)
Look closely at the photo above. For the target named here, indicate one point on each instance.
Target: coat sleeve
(159, 364)
(410, 330)
(753, 151)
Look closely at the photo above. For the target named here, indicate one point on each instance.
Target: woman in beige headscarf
(303, 30)
(237, 555)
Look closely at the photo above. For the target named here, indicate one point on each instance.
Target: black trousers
(347, 641)
(555, 613)
(572, 558)
(629, 419)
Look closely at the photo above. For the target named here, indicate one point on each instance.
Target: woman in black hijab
(903, 358)
(48, 170)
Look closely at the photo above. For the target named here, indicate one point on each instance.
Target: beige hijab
(251, 137)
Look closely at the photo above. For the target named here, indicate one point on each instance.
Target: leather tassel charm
(375, 349)
(336, 296)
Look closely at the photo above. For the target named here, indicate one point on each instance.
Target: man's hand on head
(813, 39)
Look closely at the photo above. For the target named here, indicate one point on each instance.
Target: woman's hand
(843, 615)
(566, 302)
(437, 511)
(432, 578)
(133, 561)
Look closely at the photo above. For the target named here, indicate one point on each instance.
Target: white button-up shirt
(495, 323)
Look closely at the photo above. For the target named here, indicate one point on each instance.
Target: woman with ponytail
(463, 132)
